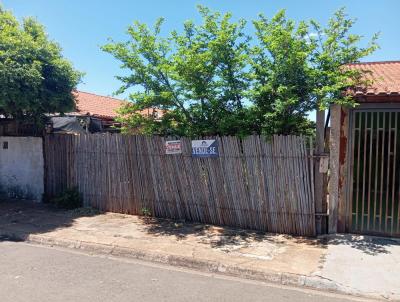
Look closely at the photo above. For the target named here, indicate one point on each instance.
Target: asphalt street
(37, 273)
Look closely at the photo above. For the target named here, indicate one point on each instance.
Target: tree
(282, 86)
(198, 77)
(300, 68)
(214, 79)
(335, 47)
(35, 78)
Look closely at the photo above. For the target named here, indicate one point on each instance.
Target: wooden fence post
(319, 177)
(334, 168)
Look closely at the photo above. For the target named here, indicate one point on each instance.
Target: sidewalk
(356, 265)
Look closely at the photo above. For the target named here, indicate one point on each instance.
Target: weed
(69, 199)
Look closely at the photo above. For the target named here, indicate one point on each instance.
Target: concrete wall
(21, 167)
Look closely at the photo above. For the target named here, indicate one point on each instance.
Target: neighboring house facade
(101, 111)
(96, 111)
(365, 156)
(93, 113)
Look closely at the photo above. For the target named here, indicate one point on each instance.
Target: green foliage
(300, 68)
(198, 76)
(282, 75)
(146, 212)
(336, 46)
(213, 79)
(69, 199)
(34, 77)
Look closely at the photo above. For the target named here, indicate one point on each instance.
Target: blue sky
(80, 27)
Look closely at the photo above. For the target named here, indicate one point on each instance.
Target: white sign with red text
(173, 147)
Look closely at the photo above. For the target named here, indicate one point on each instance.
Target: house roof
(385, 78)
(97, 105)
(103, 106)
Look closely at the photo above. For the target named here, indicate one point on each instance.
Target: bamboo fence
(254, 183)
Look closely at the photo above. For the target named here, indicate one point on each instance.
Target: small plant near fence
(146, 212)
(69, 199)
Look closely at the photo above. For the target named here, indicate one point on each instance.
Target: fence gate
(375, 175)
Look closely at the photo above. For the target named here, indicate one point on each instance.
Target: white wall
(22, 167)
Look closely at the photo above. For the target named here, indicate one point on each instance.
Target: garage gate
(375, 180)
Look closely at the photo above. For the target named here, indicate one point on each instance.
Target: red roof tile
(385, 78)
(97, 105)
(103, 106)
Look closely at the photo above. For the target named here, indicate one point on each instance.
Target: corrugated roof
(385, 78)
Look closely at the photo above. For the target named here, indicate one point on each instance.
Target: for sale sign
(173, 147)
(205, 148)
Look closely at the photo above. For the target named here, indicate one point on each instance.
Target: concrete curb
(207, 266)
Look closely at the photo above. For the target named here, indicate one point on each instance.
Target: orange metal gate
(374, 195)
